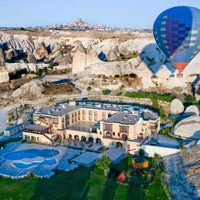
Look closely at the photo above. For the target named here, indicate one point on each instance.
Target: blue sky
(115, 13)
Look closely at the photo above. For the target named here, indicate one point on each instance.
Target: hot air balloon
(177, 33)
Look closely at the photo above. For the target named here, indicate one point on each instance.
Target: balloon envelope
(177, 33)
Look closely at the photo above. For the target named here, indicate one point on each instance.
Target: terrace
(32, 128)
(82, 126)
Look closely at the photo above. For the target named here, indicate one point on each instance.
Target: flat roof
(162, 141)
(132, 110)
(35, 127)
(56, 110)
(123, 118)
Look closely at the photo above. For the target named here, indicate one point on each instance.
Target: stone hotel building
(110, 124)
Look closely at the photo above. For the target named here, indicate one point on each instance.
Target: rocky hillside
(98, 60)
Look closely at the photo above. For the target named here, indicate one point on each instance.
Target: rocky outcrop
(62, 58)
(79, 60)
(149, 64)
(67, 59)
(41, 51)
(192, 110)
(83, 58)
(92, 57)
(188, 128)
(176, 106)
(2, 58)
(113, 54)
(4, 76)
(31, 58)
(28, 91)
(11, 54)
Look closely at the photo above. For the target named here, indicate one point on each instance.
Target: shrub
(106, 92)
(89, 88)
(103, 163)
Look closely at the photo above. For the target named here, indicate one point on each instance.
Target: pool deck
(67, 159)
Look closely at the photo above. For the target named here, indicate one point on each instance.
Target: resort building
(109, 124)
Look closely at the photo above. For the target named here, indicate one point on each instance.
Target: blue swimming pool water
(26, 165)
(31, 153)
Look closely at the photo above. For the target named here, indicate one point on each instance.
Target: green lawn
(17, 189)
(155, 191)
(82, 183)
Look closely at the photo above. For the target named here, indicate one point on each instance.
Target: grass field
(82, 183)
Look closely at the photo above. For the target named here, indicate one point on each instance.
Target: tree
(141, 152)
(39, 72)
(103, 163)
(162, 113)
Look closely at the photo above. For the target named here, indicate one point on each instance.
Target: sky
(138, 14)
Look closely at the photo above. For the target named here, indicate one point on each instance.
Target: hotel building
(111, 124)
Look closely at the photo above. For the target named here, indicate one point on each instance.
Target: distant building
(111, 125)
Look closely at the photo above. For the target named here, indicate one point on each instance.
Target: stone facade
(109, 127)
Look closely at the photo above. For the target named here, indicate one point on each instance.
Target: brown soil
(64, 88)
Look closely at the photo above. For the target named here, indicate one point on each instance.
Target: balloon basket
(179, 75)
(172, 75)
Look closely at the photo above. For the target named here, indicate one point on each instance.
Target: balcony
(110, 136)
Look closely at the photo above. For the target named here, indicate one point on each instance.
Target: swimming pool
(23, 165)
(31, 153)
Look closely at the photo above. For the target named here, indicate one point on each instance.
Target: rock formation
(149, 64)
(188, 128)
(11, 54)
(31, 58)
(113, 54)
(79, 60)
(92, 57)
(4, 76)
(192, 109)
(2, 58)
(28, 91)
(176, 106)
(41, 51)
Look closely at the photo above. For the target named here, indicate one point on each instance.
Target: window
(124, 129)
(103, 115)
(107, 127)
(55, 120)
